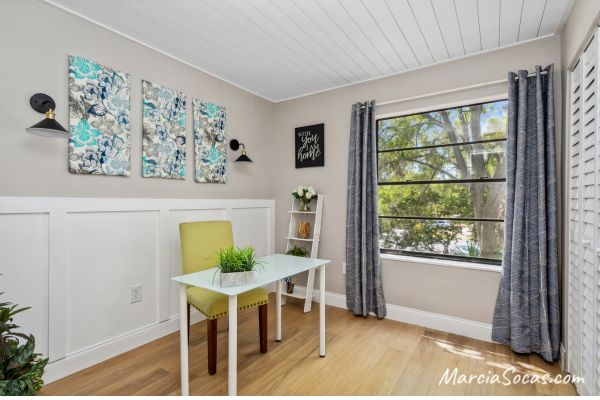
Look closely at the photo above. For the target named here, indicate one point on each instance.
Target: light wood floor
(365, 356)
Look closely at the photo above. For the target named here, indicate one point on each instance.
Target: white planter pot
(236, 278)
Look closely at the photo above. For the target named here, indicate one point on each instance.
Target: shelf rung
(303, 240)
(295, 295)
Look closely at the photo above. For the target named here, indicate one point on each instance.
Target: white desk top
(274, 268)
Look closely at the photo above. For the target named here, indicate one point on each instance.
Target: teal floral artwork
(98, 119)
(164, 132)
(210, 142)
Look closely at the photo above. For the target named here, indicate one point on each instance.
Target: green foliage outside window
(441, 182)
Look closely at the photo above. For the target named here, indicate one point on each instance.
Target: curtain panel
(527, 315)
(364, 292)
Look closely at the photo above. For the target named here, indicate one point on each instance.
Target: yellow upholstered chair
(200, 242)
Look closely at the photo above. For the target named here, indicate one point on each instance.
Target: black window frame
(446, 257)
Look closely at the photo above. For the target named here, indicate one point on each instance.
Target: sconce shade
(48, 127)
(243, 158)
(234, 144)
(44, 104)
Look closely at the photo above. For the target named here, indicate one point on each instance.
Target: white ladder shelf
(314, 218)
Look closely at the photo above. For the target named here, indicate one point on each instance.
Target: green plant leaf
(21, 370)
(237, 260)
(23, 355)
(298, 251)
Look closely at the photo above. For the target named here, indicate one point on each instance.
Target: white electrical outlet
(136, 294)
(344, 268)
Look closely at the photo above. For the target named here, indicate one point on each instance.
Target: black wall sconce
(44, 104)
(235, 145)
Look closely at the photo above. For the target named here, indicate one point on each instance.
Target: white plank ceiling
(280, 49)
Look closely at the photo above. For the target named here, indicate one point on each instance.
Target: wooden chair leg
(211, 341)
(262, 327)
(188, 321)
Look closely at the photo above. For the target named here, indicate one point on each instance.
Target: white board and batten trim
(60, 255)
(458, 326)
(113, 347)
(74, 261)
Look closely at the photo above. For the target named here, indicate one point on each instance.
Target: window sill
(443, 263)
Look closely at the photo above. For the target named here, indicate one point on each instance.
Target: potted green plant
(21, 369)
(298, 252)
(304, 195)
(236, 266)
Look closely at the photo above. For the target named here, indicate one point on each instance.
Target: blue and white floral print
(164, 132)
(98, 119)
(210, 142)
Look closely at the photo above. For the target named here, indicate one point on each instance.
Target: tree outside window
(442, 187)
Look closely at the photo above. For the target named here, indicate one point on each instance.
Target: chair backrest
(200, 242)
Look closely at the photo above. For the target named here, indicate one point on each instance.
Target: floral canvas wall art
(99, 140)
(164, 132)
(210, 142)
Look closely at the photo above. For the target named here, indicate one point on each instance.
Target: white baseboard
(459, 326)
(103, 351)
(111, 348)
(331, 299)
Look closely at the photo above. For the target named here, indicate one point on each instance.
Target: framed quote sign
(310, 146)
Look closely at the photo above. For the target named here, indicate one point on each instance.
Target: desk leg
(322, 310)
(232, 346)
(278, 311)
(183, 340)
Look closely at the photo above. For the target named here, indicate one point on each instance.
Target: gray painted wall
(463, 293)
(36, 40)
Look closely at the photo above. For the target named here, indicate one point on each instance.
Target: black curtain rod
(459, 89)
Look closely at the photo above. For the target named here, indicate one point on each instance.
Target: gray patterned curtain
(364, 292)
(527, 316)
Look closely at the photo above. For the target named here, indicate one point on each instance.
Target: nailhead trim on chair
(260, 303)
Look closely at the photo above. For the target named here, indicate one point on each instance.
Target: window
(442, 183)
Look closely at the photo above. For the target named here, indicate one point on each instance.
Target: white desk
(275, 268)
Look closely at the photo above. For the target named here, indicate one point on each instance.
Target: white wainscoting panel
(24, 265)
(74, 261)
(108, 253)
(248, 221)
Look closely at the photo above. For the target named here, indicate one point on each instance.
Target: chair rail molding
(74, 261)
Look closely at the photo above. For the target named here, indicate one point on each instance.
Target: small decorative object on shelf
(236, 266)
(289, 284)
(303, 230)
(304, 195)
(21, 369)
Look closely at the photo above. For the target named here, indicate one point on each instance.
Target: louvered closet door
(583, 345)
(596, 329)
(588, 216)
(574, 312)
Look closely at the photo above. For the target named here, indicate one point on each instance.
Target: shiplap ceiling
(280, 49)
